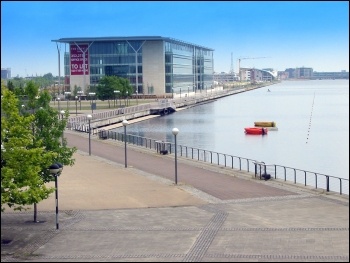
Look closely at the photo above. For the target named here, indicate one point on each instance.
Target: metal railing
(264, 171)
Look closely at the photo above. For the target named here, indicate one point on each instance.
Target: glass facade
(116, 58)
(187, 67)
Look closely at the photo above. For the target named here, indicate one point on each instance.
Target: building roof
(137, 38)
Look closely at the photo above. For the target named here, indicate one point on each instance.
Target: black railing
(264, 171)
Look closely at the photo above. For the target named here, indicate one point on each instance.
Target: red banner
(77, 61)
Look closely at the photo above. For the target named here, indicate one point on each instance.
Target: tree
(45, 129)
(10, 86)
(106, 87)
(21, 184)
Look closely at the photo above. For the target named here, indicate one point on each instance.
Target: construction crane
(241, 58)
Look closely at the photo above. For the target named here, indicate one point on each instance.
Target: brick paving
(111, 213)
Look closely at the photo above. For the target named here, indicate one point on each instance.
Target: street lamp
(172, 91)
(58, 106)
(76, 105)
(175, 131)
(55, 170)
(62, 114)
(125, 123)
(92, 101)
(66, 96)
(89, 118)
(116, 92)
(137, 97)
(80, 93)
(188, 91)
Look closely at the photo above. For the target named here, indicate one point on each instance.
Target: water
(312, 119)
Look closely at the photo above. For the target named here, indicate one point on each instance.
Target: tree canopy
(109, 84)
(30, 143)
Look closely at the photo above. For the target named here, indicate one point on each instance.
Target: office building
(5, 73)
(153, 64)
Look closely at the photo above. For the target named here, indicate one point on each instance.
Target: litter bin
(161, 147)
(102, 134)
(93, 106)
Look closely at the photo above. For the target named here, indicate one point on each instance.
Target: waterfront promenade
(111, 213)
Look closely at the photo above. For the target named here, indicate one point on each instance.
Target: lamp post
(91, 94)
(55, 170)
(117, 92)
(89, 118)
(76, 105)
(66, 96)
(172, 93)
(125, 123)
(58, 105)
(62, 114)
(137, 97)
(80, 93)
(175, 131)
(188, 90)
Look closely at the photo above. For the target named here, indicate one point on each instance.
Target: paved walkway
(111, 213)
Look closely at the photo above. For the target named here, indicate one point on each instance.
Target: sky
(278, 35)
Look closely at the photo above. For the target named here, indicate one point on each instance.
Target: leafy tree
(106, 87)
(49, 77)
(75, 90)
(126, 89)
(46, 130)
(21, 162)
(10, 86)
(108, 84)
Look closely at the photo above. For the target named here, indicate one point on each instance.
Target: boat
(256, 130)
(270, 125)
(265, 124)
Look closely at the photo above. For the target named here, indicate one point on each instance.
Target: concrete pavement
(111, 213)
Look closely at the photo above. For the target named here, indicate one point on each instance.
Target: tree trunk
(35, 213)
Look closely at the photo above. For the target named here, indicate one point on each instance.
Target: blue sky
(288, 34)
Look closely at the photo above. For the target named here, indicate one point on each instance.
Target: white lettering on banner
(79, 59)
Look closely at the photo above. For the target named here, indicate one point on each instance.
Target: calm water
(312, 119)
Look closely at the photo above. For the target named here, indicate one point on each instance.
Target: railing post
(327, 178)
(316, 180)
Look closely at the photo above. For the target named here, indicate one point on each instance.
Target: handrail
(297, 176)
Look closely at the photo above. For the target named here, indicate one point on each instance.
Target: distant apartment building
(303, 73)
(5, 73)
(224, 77)
(308, 73)
(331, 75)
(256, 75)
(152, 64)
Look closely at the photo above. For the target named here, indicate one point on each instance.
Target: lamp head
(54, 169)
(175, 131)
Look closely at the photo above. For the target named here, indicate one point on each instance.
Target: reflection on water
(312, 119)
